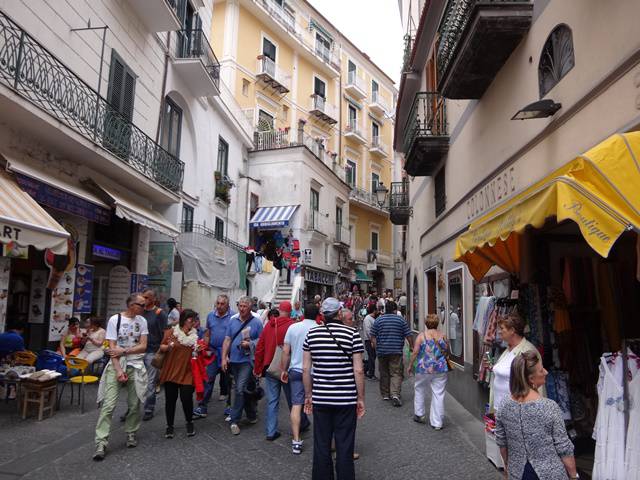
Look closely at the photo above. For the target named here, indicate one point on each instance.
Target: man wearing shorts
(292, 372)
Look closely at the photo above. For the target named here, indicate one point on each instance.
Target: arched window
(557, 58)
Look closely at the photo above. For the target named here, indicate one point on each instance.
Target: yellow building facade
(290, 70)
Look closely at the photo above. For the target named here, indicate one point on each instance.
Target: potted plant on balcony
(223, 187)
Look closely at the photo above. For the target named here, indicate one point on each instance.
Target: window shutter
(116, 77)
(128, 95)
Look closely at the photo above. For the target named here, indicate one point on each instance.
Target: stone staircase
(284, 291)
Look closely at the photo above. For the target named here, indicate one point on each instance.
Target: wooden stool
(44, 398)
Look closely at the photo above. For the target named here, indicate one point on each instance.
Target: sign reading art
(495, 191)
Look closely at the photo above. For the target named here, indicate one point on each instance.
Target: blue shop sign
(106, 252)
(65, 202)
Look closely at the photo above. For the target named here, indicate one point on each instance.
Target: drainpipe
(163, 91)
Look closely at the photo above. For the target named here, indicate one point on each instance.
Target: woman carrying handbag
(179, 344)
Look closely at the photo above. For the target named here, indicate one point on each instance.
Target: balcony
(378, 148)
(367, 200)
(426, 140)
(378, 106)
(318, 224)
(223, 188)
(158, 15)
(195, 230)
(323, 110)
(341, 236)
(353, 132)
(476, 40)
(196, 63)
(399, 208)
(283, 16)
(355, 86)
(270, 74)
(35, 74)
(383, 258)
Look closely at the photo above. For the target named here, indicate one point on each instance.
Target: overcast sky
(372, 25)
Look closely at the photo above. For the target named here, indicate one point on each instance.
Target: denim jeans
(213, 370)
(242, 374)
(338, 423)
(258, 263)
(153, 374)
(272, 387)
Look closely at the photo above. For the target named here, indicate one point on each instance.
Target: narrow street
(391, 446)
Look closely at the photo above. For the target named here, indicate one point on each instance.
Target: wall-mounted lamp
(540, 109)
(381, 194)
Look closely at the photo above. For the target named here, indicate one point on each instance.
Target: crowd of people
(319, 356)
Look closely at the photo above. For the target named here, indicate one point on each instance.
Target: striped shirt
(334, 383)
(390, 331)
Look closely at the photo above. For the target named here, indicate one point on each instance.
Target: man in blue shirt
(238, 349)
(11, 341)
(216, 330)
(387, 337)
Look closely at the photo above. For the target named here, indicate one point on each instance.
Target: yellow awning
(599, 190)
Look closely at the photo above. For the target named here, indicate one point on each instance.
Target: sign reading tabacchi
(497, 189)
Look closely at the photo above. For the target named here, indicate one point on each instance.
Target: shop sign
(495, 191)
(317, 276)
(83, 297)
(60, 200)
(106, 252)
(161, 269)
(61, 304)
(37, 298)
(5, 274)
(139, 282)
(119, 281)
(307, 255)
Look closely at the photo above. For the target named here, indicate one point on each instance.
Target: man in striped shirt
(335, 396)
(387, 336)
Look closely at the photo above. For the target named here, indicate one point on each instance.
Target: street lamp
(540, 109)
(381, 193)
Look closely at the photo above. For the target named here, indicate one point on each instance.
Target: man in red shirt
(271, 337)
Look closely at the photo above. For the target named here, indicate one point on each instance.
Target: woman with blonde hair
(530, 430)
(431, 350)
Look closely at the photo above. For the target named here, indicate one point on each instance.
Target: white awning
(131, 210)
(25, 222)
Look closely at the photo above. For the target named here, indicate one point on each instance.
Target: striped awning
(24, 222)
(273, 217)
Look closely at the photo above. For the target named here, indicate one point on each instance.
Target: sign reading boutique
(493, 192)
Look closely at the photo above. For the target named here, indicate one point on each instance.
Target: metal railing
(272, 139)
(399, 195)
(355, 80)
(318, 222)
(269, 67)
(36, 74)
(352, 126)
(455, 19)
(377, 99)
(365, 196)
(207, 232)
(320, 103)
(342, 234)
(195, 44)
(377, 143)
(428, 117)
(382, 256)
(284, 17)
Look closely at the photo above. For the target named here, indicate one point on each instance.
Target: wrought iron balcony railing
(399, 195)
(207, 232)
(427, 118)
(195, 44)
(365, 196)
(283, 16)
(342, 234)
(36, 74)
(457, 15)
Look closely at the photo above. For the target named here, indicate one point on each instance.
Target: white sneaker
(235, 429)
(296, 447)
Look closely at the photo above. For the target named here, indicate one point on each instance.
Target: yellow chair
(26, 357)
(80, 365)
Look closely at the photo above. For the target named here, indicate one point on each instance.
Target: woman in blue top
(430, 350)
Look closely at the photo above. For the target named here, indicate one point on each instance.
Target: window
(265, 121)
(120, 95)
(323, 47)
(374, 241)
(269, 49)
(351, 173)
(171, 127)
(319, 87)
(187, 218)
(315, 208)
(556, 60)
(353, 117)
(338, 215)
(285, 114)
(223, 157)
(352, 69)
(375, 133)
(219, 230)
(375, 180)
(327, 257)
(374, 90)
(245, 87)
(455, 316)
(440, 192)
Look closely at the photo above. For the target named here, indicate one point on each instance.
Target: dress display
(632, 456)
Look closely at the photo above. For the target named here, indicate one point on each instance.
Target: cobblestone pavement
(391, 445)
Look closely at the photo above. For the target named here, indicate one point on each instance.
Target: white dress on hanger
(632, 457)
(608, 431)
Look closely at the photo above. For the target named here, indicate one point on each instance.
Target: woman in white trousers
(430, 353)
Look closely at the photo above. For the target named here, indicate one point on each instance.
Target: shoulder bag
(338, 343)
(274, 369)
(158, 359)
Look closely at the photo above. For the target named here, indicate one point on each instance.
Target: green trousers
(111, 393)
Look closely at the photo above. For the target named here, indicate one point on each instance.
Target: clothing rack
(634, 344)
